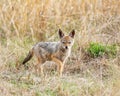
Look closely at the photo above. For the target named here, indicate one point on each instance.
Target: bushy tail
(29, 56)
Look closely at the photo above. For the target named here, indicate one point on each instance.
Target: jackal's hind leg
(39, 67)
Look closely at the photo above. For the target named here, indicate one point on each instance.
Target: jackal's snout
(66, 47)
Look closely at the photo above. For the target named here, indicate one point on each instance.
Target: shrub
(97, 49)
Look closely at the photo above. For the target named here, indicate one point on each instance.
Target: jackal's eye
(63, 42)
(69, 42)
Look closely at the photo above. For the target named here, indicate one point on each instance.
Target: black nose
(66, 47)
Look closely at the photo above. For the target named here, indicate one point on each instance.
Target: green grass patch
(70, 88)
(22, 84)
(97, 49)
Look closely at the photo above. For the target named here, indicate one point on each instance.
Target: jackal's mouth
(64, 49)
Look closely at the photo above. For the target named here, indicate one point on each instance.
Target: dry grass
(25, 22)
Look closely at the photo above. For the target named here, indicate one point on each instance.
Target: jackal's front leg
(60, 65)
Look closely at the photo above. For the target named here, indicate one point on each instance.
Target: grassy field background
(94, 66)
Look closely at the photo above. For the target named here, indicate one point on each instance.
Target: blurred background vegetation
(40, 19)
(96, 52)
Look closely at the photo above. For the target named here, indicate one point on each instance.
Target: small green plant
(97, 49)
(111, 50)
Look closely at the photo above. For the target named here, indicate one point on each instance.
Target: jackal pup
(53, 51)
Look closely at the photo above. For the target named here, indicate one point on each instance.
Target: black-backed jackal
(53, 51)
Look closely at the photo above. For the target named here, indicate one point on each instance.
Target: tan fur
(53, 51)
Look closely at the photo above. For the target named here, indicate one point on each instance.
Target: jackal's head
(66, 40)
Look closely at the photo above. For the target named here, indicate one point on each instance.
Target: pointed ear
(72, 33)
(61, 34)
